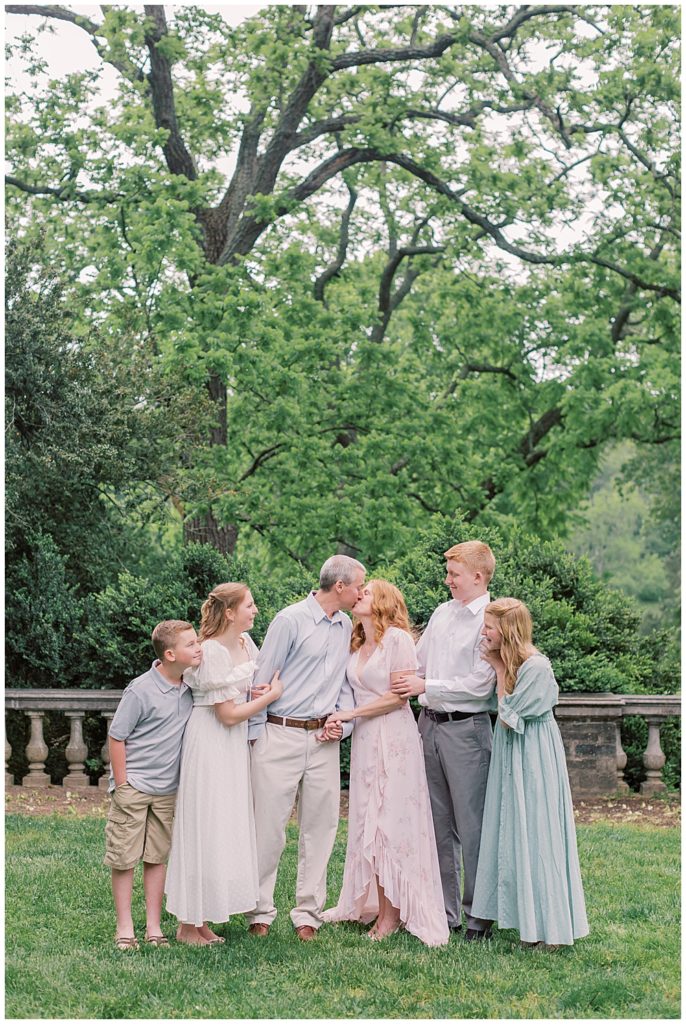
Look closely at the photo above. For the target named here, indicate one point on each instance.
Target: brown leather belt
(297, 723)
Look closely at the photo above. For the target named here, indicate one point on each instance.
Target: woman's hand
(492, 656)
(332, 730)
(275, 688)
(339, 716)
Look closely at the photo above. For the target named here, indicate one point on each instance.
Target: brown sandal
(126, 942)
(157, 940)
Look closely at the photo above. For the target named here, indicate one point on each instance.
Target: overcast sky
(69, 49)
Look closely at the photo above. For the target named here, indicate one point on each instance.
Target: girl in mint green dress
(528, 876)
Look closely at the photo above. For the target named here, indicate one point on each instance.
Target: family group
(212, 747)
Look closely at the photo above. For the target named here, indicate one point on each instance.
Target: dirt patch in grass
(664, 811)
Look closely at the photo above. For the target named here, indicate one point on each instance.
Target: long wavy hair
(388, 609)
(514, 622)
(213, 612)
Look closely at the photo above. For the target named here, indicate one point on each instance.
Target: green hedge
(589, 631)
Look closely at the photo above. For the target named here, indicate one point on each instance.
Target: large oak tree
(420, 258)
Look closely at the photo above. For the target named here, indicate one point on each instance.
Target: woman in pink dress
(391, 866)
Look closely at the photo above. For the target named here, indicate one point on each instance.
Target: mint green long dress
(528, 875)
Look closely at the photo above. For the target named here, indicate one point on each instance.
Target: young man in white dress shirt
(294, 753)
(456, 689)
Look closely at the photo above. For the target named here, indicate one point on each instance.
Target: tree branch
(260, 459)
(251, 228)
(485, 368)
(389, 303)
(128, 70)
(319, 128)
(344, 237)
(352, 60)
(352, 12)
(468, 117)
(648, 164)
(499, 57)
(525, 13)
(529, 449)
(629, 275)
(179, 160)
(65, 192)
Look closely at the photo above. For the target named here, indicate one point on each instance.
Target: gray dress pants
(457, 755)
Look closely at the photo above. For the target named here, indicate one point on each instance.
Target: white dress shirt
(449, 656)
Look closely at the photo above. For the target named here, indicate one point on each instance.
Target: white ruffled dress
(212, 870)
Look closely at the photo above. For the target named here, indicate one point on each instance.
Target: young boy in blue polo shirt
(145, 755)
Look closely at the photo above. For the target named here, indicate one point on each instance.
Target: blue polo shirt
(311, 652)
(151, 718)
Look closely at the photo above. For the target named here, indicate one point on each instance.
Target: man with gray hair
(293, 752)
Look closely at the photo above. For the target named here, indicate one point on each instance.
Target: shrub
(42, 613)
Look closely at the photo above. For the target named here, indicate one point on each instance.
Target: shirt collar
(161, 682)
(476, 605)
(318, 612)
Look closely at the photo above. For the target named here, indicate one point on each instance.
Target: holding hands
(333, 727)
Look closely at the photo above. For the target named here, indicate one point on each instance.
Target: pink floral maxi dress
(390, 828)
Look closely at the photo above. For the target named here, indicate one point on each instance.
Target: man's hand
(332, 731)
(408, 685)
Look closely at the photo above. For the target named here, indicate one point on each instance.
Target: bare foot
(387, 927)
(189, 935)
(208, 934)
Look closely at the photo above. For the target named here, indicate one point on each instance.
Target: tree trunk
(206, 530)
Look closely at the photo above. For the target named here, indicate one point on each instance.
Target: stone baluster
(104, 780)
(653, 759)
(76, 753)
(36, 753)
(9, 777)
(622, 785)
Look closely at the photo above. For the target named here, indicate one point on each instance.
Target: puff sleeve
(217, 679)
(535, 693)
(401, 654)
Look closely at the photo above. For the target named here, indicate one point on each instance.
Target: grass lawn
(60, 961)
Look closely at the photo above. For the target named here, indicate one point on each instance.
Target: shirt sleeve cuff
(510, 717)
(430, 694)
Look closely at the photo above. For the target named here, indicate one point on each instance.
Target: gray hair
(339, 567)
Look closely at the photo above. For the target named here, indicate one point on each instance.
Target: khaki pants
(285, 763)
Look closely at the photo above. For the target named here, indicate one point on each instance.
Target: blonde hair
(165, 635)
(514, 622)
(388, 609)
(213, 612)
(476, 555)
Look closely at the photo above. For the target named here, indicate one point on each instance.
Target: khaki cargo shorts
(139, 827)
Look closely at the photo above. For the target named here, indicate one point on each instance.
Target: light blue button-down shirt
(311, 652)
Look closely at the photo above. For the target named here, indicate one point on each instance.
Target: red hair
(388, 609)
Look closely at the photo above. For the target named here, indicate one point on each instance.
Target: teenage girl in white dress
(212, 869)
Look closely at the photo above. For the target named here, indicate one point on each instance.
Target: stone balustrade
(75, 705)
(590, 724)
